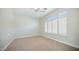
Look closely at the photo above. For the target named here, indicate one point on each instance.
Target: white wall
(26, 26)
(78, 24)
(73, 31)
(73, 26)
(13, 26)
(7, 27)
(0, 27)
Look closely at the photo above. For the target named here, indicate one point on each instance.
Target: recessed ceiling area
(33, 12)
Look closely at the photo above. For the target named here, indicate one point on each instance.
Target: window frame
(57, 16)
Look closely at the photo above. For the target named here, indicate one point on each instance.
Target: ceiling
(32, 12)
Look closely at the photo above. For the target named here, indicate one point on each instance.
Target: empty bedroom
(39, 29)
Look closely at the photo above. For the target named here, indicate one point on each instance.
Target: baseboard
(75, 46)
(17, 38)
(7, 45)
(38, 35)
(24, 36)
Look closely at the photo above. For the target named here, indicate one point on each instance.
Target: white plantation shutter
(54, 26)
(57, 24)
(63, 26)
(49, 27)
(63, 23)
(46, 26)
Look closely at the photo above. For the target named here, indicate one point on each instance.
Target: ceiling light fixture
(40, 9)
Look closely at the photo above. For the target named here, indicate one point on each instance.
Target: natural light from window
(57, 24)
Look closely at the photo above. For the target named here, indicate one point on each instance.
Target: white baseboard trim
(38, 35)
(7, 45)
(75, 46)
(17, 38)
(24, 36)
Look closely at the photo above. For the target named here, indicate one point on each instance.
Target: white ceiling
(32, 13)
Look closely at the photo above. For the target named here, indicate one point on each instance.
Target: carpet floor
(38, 44)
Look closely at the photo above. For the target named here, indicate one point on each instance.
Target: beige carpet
(38, 44)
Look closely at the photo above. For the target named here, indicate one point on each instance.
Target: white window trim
(58, 34)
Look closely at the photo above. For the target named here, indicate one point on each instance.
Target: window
(49, 27)
(57, 24)
(63, 23)
(46, 27)
(54, 26)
